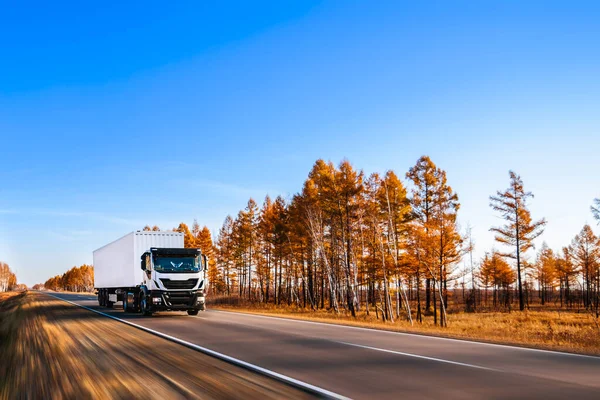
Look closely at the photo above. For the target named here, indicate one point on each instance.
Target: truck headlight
(200, 299)
(156, 300)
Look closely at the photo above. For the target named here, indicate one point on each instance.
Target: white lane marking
(418, 356)
(422, 336)
(221, 356)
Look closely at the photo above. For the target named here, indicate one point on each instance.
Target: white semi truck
(150, 271)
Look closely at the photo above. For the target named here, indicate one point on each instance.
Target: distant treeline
(8, 279)
(77, 279)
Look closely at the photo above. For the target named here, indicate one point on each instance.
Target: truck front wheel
(192, 312)
(144, 306)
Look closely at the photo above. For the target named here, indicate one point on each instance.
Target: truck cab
(173, 279)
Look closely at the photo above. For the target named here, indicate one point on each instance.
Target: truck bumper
(176, 300)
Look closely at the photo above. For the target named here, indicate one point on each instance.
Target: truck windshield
(176, 264)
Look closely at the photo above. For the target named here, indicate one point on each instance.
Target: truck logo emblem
(176, 266)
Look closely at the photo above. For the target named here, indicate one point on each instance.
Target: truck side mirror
(143, 265)
(205, 261)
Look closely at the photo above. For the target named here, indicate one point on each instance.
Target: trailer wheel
(192, 312)
(100, 297)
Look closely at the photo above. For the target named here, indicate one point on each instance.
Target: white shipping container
(118, 264)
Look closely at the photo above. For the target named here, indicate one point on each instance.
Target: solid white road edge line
(255, 368)
(423, 336)
(418, 356)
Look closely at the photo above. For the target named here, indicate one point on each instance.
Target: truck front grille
(189, 284)
(179, 298)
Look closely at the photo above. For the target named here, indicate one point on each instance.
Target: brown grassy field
(50, 349)
(576, 332)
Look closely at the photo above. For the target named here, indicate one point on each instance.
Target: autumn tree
(189, 240)
(566, 271)
(225, 254)
(585, 251)
(495, 272)
(265, 239)
(545, 271)
(424, 179)
(435, 207)
(8, 279)
(205, 243)
(395, 208)
(245, 235)
(520, 231)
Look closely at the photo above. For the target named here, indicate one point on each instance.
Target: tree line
(8, 279)
(77, 279)
(351, 242)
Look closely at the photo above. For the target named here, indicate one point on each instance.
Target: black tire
(192, 312)
(109, 304)
(100, 302)
(144, 306)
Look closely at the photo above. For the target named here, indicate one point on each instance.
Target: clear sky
(117, 115)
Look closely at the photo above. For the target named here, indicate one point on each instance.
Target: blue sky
(116, 116)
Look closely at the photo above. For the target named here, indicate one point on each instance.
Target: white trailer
(150, 271)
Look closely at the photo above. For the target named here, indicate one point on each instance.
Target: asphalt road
(362, 363)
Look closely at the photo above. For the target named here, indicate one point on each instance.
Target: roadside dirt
(51, 349)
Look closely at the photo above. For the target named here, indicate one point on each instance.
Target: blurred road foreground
(65, 346)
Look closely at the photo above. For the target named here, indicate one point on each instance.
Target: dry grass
(562, 331)
(50, 349)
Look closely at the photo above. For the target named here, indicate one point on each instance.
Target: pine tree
(520, 230)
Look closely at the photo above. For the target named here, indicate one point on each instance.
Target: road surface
(363, 363)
